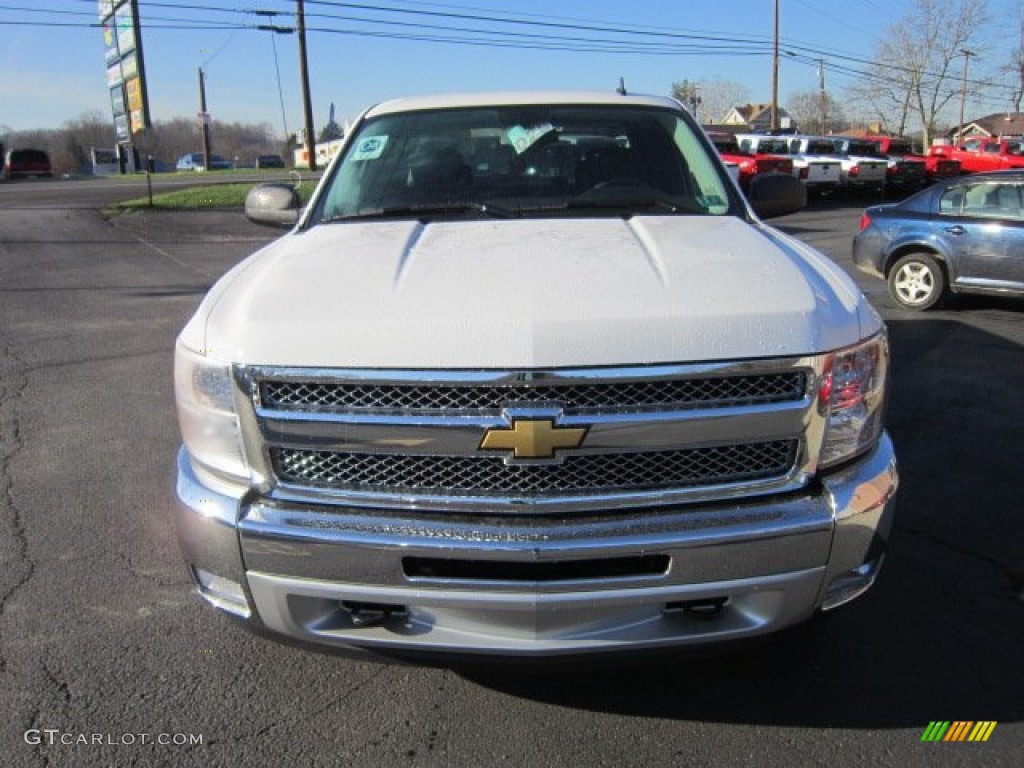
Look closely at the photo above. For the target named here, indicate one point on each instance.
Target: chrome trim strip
(539, 505)
(568, 376)
(461, 436)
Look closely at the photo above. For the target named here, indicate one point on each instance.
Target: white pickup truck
(528, 377)
(815, 165)
(863, 169)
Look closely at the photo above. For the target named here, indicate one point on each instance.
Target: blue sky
(53, 62)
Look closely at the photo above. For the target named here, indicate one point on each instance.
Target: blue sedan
(962, 235)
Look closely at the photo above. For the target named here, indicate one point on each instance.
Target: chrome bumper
(520, 585)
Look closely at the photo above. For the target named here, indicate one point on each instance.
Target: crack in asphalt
(1012, 572)
(60, 685)
(302, 717)
(94, 359)
(153, 578)
(12, 385)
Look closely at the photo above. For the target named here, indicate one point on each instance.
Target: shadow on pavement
(942, 633)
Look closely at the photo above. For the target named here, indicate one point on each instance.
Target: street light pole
(963, 96)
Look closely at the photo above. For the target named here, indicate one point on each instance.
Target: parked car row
(766, 179)
(193, 161)
(829, 164)
(978, 155)
(901, 155)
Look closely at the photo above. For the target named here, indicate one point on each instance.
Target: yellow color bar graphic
(982, 730)
(968, 730)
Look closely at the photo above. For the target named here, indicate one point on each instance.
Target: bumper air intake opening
(705, 608)
(565, 570)
(372, 614)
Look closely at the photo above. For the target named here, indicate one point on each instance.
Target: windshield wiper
(660, 202)
(421, 211)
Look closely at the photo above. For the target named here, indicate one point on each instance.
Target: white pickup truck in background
(815, 165)
(863, 168)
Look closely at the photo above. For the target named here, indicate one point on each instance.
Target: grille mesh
(711, 392)
(577, 474)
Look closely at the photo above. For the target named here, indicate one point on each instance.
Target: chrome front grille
(651, 435)
(591, 473)
(661, 394)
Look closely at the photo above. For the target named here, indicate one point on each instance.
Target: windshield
(861, 148)
(524, 160)
(821, 148)
(773, 147)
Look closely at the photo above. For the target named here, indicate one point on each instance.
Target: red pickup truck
(977, 155)
(902, 149)
(750, 163)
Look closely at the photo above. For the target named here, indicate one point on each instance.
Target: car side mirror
(275, 204)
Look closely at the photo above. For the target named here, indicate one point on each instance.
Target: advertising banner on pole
(126, 73)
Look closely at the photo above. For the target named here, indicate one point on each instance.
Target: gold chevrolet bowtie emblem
(529, 439)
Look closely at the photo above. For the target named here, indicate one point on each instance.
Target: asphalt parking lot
(100, 637)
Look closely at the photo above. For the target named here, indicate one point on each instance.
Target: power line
(549, 33)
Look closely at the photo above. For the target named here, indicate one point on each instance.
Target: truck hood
(529, 293)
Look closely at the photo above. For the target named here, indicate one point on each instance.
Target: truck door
(991, 159)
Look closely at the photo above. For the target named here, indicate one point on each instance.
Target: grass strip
(212, 196)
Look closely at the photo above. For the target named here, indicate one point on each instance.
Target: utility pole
(963, 96)
(821, 90)
(775, 73)
(276, 29)
(204, 119)
(307, 106)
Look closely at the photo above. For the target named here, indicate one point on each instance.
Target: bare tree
(715, 97)
(1015, 69)
(805, 109)
(917, 63)
(69, 146)
(77, 137)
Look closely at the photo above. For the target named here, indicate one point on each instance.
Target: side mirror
(276, 204)
(776, 194)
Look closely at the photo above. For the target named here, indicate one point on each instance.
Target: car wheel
(917, 281)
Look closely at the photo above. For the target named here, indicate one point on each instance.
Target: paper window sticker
(522, 139)
(370, 148)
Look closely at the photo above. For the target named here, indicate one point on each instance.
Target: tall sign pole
(126, 71)
(307, 107)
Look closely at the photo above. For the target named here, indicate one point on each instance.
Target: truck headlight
(851, 397)
(204, 392)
